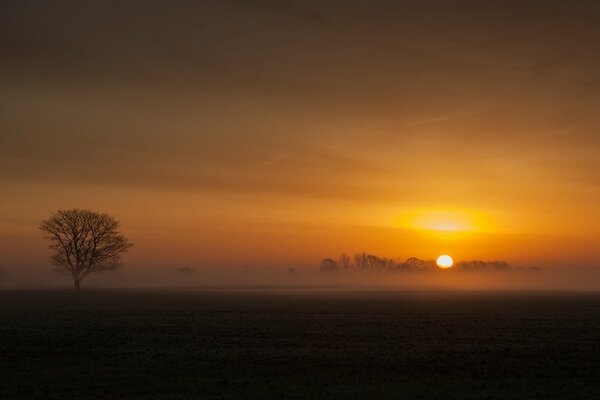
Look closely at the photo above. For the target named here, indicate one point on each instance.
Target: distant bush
(185, 271)
(292, 273)
(479, 265)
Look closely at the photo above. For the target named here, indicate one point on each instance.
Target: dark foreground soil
(202, 345)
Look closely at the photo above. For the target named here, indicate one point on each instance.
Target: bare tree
(375, 263)
(83, 242)
(360, 260)
(344, 262)
(328, 265)
(414, 263)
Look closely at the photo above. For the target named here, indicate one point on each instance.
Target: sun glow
(444, 261)
(444, 220)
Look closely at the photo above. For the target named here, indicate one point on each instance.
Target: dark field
(180, 345)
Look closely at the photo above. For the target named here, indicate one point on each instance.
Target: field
(264, 345)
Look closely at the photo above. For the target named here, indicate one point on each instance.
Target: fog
(281, 278)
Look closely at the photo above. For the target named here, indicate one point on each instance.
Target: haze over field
(240, 139)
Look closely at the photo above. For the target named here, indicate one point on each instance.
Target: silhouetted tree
(375, 263)
(360, 261)
(368, 262)
(414, 263)
(83, 242)
(401, 266)
(389, 264)
(344, 262)
(328, 265)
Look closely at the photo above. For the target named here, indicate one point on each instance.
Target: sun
(444, 261)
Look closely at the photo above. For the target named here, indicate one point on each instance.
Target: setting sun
(444, 261)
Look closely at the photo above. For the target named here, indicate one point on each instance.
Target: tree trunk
(76, 281)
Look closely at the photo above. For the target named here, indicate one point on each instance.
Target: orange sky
(270, 133)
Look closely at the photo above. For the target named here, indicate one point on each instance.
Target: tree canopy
(84, 242)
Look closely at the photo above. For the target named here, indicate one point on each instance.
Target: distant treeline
(364, 262)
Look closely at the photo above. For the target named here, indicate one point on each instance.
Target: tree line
(365, 262)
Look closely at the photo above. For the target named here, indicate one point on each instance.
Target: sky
(273, 133)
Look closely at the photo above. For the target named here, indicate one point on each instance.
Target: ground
(194, 344)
